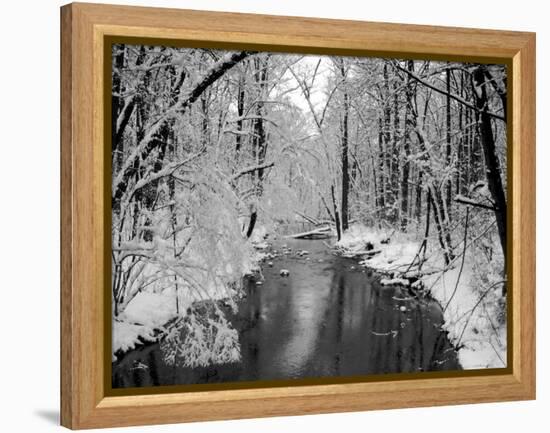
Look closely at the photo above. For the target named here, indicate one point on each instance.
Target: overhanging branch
(443, 92)
(250, 170)
(468, 201)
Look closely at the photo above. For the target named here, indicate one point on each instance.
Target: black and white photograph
(282, 216)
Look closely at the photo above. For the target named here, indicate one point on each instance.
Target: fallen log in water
(320, 233)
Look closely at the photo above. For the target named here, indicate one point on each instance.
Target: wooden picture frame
(85, 28)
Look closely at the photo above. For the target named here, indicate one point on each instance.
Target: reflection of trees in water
(387, 340)
(345, 324)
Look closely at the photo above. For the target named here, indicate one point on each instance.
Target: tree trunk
(395, 153)
(240, 114)
(173, 215)
(418, 197)
(461, 166)
(492, 163)
(387, 138)
(260, 135)
(259, 138)
(448, 183)
(439, 218)
(405, 166)
(344, 149)
(116, 106)
(148, 142)
(438, 204)
(381, 172)
(336, 215)
(251, 223)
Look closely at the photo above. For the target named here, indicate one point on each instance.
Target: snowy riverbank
(142, 320)
(473, 315)
(145, 317)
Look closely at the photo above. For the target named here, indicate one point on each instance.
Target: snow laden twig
(451, 264)
(461, 263)
(471, 312)
(144, 146)
(168, 170)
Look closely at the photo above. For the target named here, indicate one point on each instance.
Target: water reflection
(324, 319)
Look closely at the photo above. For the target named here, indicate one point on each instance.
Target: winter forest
(289, 216)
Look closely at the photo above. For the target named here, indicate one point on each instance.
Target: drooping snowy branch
(144, 147)
(168, 170)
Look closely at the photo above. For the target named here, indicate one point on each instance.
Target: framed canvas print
(268, 216)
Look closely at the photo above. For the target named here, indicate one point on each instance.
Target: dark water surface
(329, 317)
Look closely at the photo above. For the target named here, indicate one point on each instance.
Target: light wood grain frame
(84, 401)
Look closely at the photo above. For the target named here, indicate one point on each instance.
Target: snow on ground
(395, 256)
(151, 309)
(148, 312)
(251, 263)
(472, 314)
(126, 336)
(145, 315)
(258, 237)
(142, 318)
(394, 282)
(471, 317)
(391, 251)
(357, 236)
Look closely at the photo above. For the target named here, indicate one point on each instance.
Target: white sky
(317, 91)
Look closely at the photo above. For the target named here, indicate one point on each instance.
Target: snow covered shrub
(488, 276)
(203, 337)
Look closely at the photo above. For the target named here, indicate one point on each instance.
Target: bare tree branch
(470, 202)
(250, 170)
(443, 92)
(145, 146)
